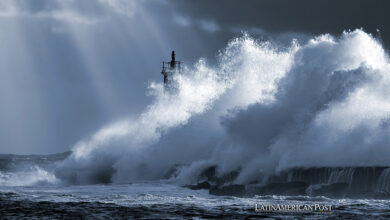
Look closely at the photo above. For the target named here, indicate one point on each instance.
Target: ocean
(159, 200)
(28, 189)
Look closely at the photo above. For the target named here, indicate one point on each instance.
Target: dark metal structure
(170, 68)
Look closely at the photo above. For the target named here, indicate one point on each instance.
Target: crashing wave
(28, 177)
(262, 109)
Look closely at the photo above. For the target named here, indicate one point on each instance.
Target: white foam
(262, 109)
(33, 176)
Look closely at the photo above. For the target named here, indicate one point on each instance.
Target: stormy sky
(68, 67)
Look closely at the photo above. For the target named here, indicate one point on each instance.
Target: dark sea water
(157, 200)
(29, 189)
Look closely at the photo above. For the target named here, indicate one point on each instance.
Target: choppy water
(29, 189)
(158, 200)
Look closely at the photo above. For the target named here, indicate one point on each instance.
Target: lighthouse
(169, 69)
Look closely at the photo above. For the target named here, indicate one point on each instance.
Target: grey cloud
(71, 11)
(303, 16)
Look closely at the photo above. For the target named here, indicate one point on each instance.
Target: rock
(229, 190)
(201, 185)
(289, 188)
(335, 190)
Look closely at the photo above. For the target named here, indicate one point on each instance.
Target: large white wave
(262, 109)
(34, 175)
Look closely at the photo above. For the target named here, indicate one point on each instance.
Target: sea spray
(29, 176)
(261, 109)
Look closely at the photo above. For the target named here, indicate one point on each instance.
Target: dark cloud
(307, 16)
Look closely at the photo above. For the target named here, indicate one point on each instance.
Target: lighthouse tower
(169, 69)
